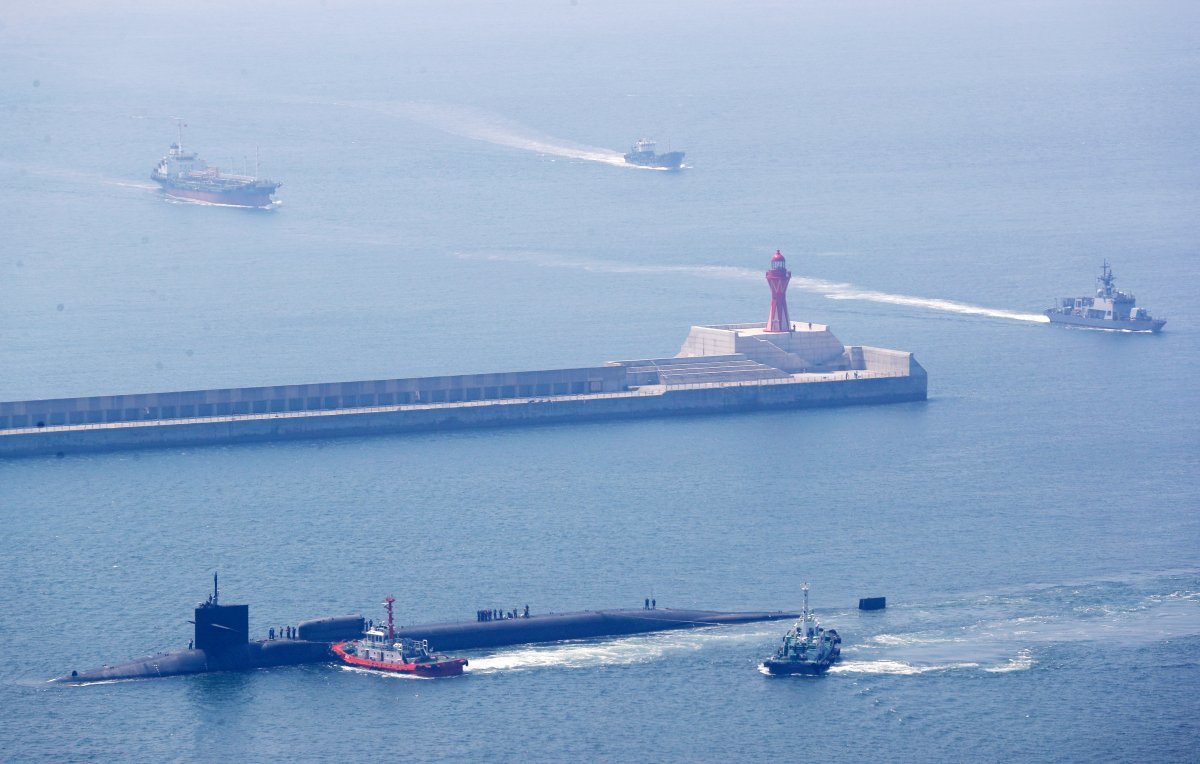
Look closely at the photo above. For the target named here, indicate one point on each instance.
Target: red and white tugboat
(381, 651)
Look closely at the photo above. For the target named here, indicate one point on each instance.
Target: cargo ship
(380, 650)
(1111, 309)
(184, 175)
(642, 154)
(807, 647)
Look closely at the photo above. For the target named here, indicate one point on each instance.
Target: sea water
(453, 201)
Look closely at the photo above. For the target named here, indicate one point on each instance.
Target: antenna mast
(387, 602)
(804, 589)
(215, 590)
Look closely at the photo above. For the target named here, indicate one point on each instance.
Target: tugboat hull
(784, 668)
(449, 667)
(669, 161)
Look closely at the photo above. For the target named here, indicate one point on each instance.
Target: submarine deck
(556, 627)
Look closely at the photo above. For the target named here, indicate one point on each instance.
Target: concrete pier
(706, 384)
(722, 368)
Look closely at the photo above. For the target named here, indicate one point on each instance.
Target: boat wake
(275, 203)
(387, 674)
(479, 125)
(75, 177)
(622, 651)
(993, 641)
(832, 290)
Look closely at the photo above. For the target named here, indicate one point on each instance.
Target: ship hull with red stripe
(442, 668)
(253, 194)
(257, 199)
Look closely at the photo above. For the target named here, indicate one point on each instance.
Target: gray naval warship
(1110, 309)
(807, 648)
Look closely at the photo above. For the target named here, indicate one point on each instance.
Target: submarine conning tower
(221, 627)
(777, 278)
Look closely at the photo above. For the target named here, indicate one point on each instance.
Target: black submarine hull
(553, 627)
(586, 625)
(252, 655)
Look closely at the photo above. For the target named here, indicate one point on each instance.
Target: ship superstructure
(1110, 309)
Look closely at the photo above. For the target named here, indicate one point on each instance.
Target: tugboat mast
(804, 616)
(387, 602)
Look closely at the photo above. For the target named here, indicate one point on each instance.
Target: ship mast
(387, 602)
(179, 126)
(804, 617)
(1106, 280)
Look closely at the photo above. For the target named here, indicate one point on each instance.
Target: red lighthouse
(778, 278)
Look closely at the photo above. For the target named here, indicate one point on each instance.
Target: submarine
(221, 643)
(222, 637)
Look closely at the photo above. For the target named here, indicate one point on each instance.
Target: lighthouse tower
(778, 278)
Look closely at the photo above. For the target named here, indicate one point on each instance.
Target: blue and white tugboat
(1110, 309)
(642, 154)
(807, 648)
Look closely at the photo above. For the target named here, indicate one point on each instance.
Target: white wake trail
(832, 290)
(480, 125)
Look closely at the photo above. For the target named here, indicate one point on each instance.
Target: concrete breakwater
(235, 415)
(721, 368)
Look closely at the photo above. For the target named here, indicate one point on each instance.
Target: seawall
(902, 379)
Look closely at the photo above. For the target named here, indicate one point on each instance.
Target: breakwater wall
(885, 376)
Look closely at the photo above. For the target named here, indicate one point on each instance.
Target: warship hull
(1109, 325)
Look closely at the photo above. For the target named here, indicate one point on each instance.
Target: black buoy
(872, 603)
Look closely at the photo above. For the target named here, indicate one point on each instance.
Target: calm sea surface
(454, 202)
